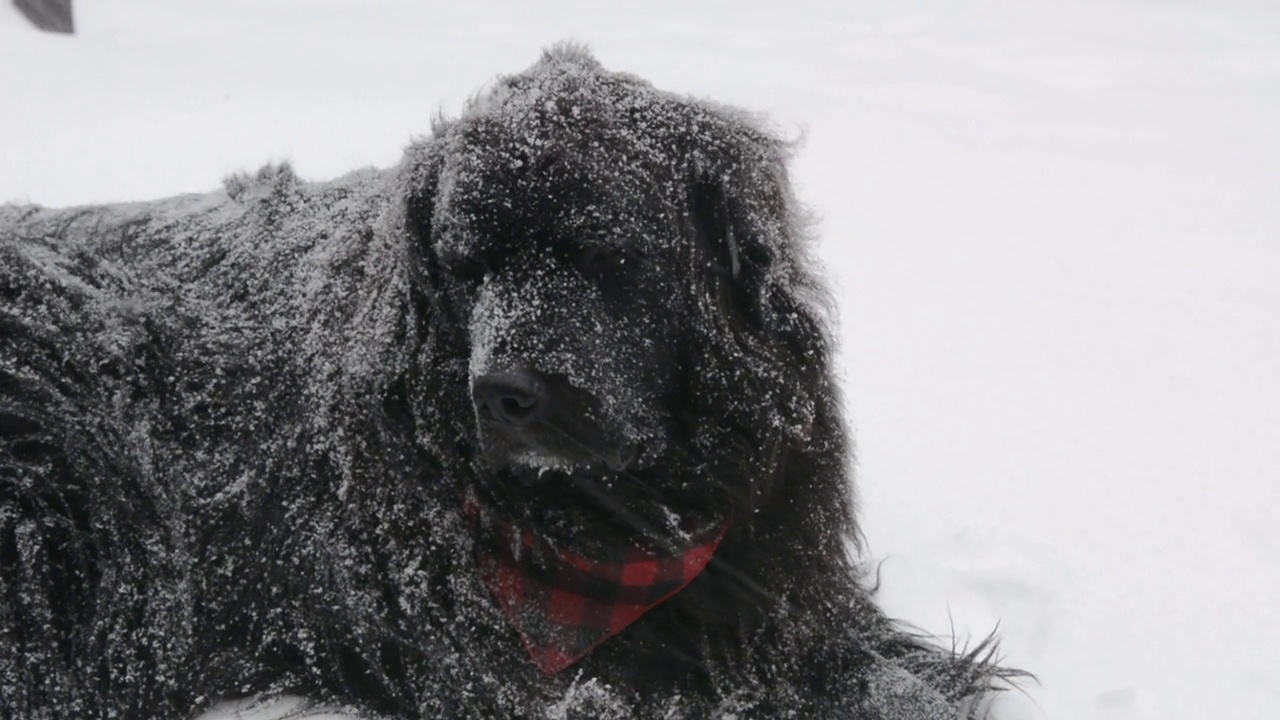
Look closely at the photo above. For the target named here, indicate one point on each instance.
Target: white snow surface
(1053, 229)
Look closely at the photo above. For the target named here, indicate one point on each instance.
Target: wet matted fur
(237, 430)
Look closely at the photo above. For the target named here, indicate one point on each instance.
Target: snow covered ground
(1054, 228)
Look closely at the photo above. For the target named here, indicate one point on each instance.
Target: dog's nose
(516, 398)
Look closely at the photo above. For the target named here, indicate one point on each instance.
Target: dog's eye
(603, 262)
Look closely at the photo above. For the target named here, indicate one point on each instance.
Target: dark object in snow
(237, 430)
(50, 15)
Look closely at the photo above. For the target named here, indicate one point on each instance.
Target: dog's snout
(515, 398)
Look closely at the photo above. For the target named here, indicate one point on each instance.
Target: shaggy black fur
(236, 429)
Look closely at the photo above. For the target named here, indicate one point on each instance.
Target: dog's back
(157, 362)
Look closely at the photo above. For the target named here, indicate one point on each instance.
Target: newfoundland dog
(539, 424)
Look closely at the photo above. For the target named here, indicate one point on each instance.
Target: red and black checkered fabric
(563, 604)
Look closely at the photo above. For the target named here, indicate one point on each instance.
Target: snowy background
(1053, 227)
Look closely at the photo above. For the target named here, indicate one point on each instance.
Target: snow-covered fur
(236, 429)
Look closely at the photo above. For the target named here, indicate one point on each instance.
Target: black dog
(539, 424)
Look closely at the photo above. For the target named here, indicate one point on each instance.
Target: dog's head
(617, 285)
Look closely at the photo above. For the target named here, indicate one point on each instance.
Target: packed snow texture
(1052, 227)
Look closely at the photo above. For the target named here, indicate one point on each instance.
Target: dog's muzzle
(534, 423)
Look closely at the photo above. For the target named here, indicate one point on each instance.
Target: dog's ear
(436, 385)
(412, 210)
(720, 256)
(416, 186)
(749, 245)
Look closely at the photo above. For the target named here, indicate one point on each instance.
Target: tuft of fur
(235, 428)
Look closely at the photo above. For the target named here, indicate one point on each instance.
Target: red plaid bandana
(564, 605)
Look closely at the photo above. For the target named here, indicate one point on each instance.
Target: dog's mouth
(592, 505)
(553, 461)
(534, 467)
(539, 486)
